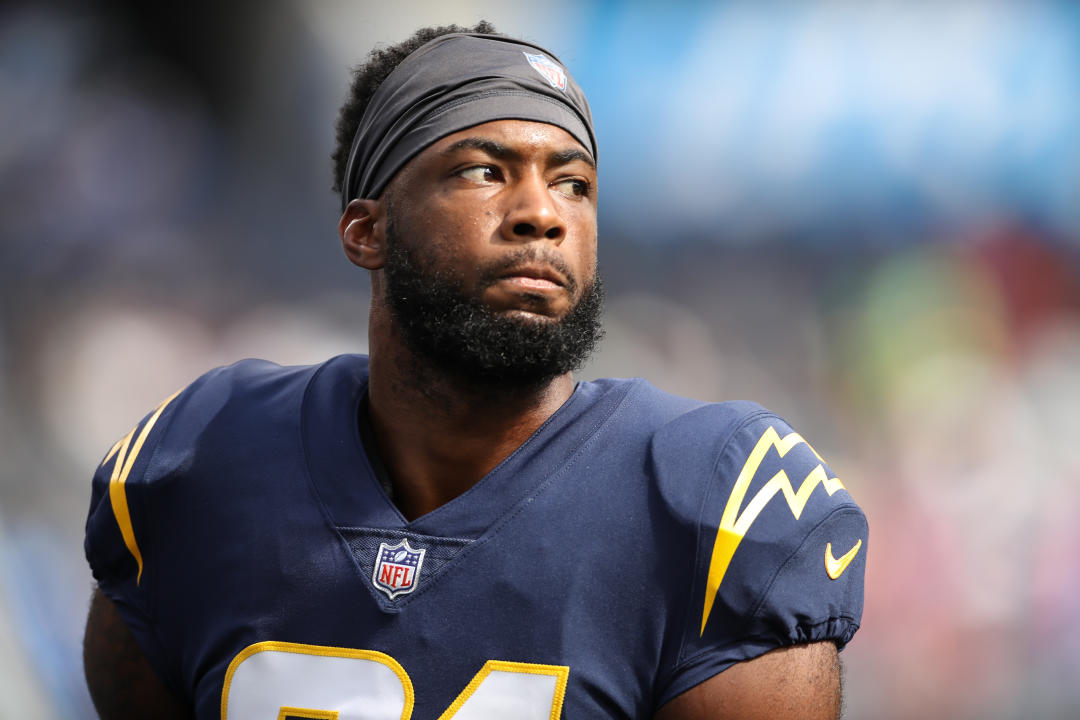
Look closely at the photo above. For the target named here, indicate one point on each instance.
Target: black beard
(462, 337)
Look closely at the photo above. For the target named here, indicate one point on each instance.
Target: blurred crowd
(907, 296)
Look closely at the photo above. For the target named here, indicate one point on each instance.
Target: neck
(438, 435)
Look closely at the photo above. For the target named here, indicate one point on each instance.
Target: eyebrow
(566, 156)
(502, 152)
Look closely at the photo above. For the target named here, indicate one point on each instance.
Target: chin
(532, 315)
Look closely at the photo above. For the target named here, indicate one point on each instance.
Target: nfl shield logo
(396, 568)
(551, 72)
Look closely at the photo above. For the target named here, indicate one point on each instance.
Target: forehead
(524, 137)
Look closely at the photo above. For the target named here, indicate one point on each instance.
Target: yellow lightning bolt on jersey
(117, 495)
(734, 525)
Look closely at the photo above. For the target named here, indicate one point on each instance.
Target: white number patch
(288, 681)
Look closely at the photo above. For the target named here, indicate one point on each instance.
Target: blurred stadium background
(865, 216)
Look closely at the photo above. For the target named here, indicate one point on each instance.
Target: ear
(362, 229)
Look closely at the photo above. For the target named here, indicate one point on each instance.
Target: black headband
(452, 83)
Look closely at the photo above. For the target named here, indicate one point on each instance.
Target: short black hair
(368, 77)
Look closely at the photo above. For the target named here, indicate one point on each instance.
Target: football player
(452, 527)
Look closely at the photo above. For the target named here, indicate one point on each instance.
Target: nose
(532, 213)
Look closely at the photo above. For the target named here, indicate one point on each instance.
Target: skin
(473, 198)
(801, 682)
(122, 683)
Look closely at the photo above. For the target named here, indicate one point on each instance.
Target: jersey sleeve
(119, 529)
(163, 498)
(780, 546)
(137, 490)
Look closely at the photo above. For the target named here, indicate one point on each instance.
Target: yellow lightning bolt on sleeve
(734, 526)
(117, 495)
(114, 448)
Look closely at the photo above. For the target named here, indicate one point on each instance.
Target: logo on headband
(551, 72)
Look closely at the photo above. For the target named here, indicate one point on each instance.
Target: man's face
(491, 253)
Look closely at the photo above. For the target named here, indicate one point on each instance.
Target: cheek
(582, 218)
(586, 236)
(463, 219)
(583, 262)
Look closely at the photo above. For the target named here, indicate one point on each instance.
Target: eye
(480, 174)
(574, 187)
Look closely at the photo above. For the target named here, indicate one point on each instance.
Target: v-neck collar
(349, 488)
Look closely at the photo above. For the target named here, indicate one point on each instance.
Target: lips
(535, 276)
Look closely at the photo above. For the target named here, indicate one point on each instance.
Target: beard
(461, 336)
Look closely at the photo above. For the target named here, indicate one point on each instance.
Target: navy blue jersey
(637, 544)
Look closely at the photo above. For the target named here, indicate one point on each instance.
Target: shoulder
(683, 440)
(248, 394)
(633, 406)
(254, 385)
(715, 452)
(226, 416)
(723, 461)
(673, 420)
(217, 412)
(778, 544)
